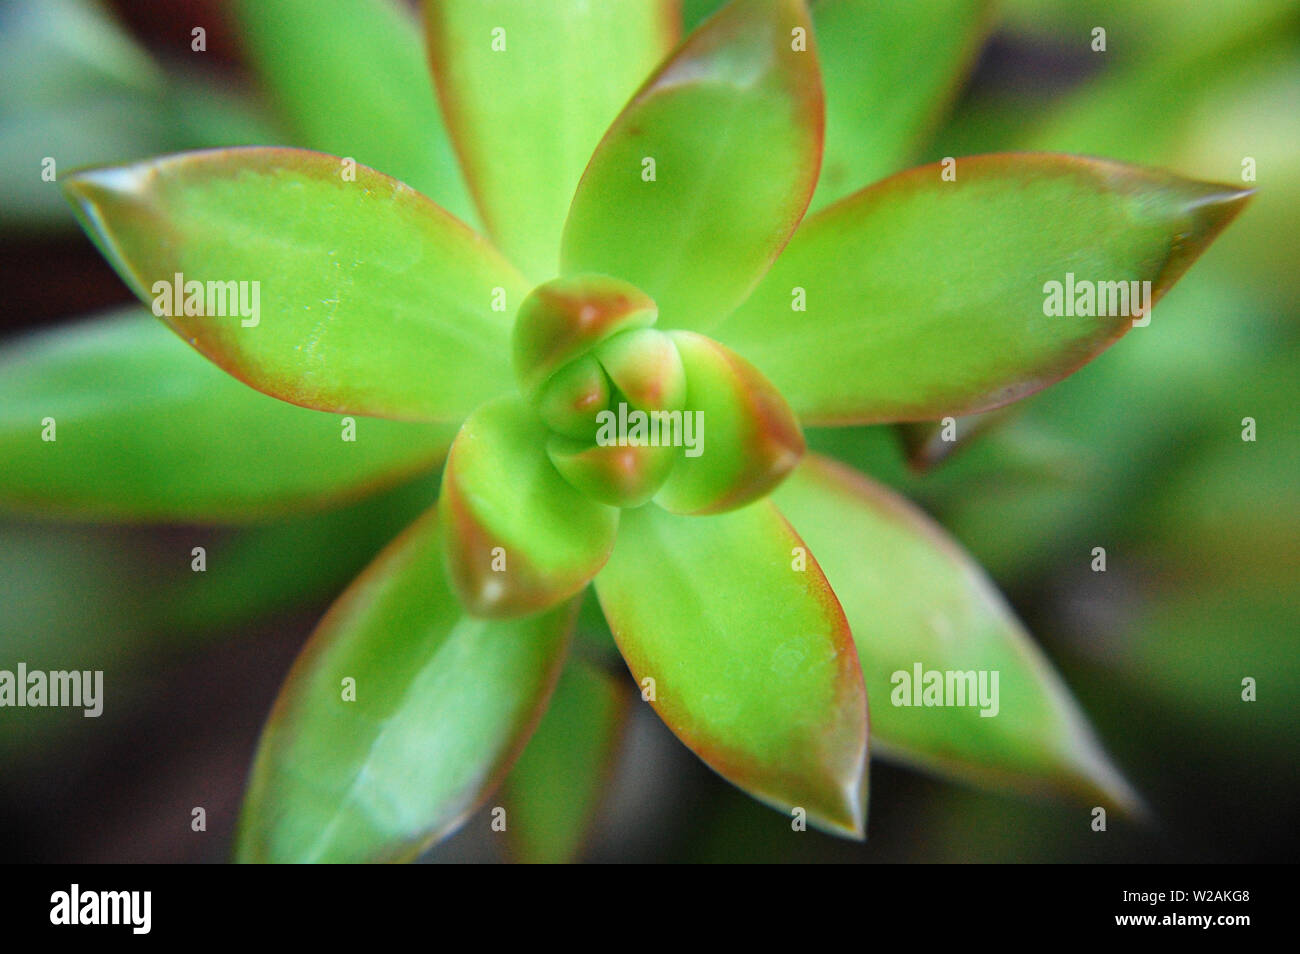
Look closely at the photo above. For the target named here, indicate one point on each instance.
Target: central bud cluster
(589, 361)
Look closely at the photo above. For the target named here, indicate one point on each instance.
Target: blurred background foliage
(1140, 452)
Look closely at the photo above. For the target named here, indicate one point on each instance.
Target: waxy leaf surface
(528, 90)
(443, 704)
(915, 600)
(146, 429)
(752, 661)
(351, 77)
(519, 538)
(745, 436)
(927, 298)
(703, 177)
(370, 298)
(566, 318)
(554, 789)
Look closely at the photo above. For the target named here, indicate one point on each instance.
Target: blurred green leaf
(1223, 109)
(887, 69)
(554, 788)
(732, 124)
(442, 705)
(74, 598)
(518, 537)
(1188, 648)
(74, 88)
(371, 298)
(1204, 524)
(695, 11)
(1173, 24)
(927, 298)
(56, 47)
(128, 601)
(752, 662)
(1124, 421)
(146, 429)
(205, 114)
(254, 571)
(352, 78)
(529, 88)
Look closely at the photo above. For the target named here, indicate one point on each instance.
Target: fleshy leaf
(356, 296)
(351, 77)
(552, 792)
(646, 368)
(398, 718)
(746, 437)
(573, 397)
(621, 475)
(887, 68)
(752, 661)
(920, 297)
(564, 319)
(144, 428)
(528, 89)
(518, 537)
(701, 180)
(917, 601)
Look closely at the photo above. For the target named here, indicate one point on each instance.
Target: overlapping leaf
(552, 792)
(400, 715)
(920, 297)
(887, 68)
(518, 537)
(702, 178)
(917, 605)
(351, 77)
(528, 89)
(750, 658)
(144, 428)
(369, 298)
(741, 436)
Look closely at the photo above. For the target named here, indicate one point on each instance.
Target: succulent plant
(637, 266)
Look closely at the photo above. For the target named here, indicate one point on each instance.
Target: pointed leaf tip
(1210, 209)
(750, 655)
(919, 605)
(330, 287)
(950, 289)
(705, 174)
